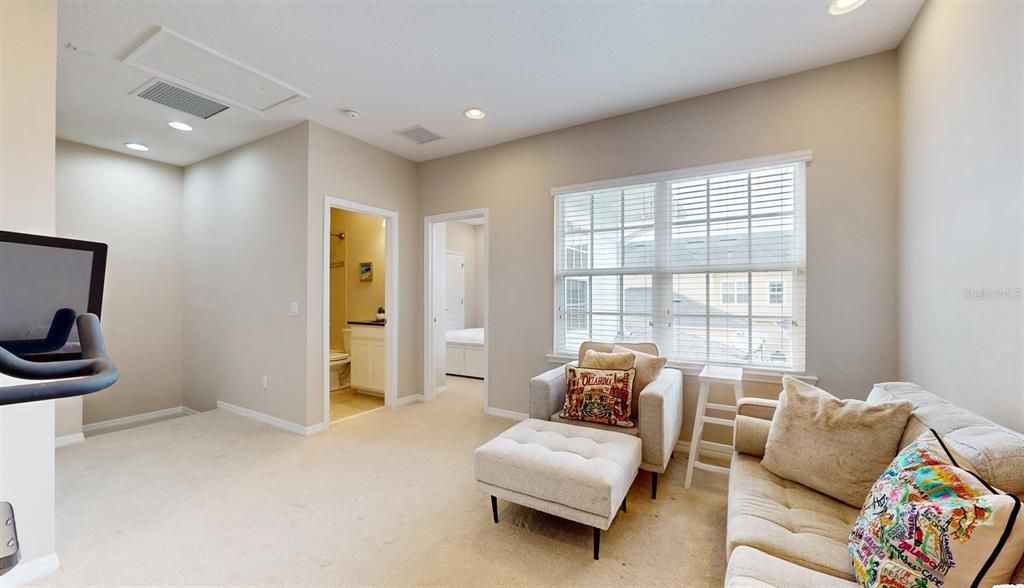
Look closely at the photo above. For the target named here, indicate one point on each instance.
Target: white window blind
(708, 263)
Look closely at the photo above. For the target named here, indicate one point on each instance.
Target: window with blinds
(707, 263)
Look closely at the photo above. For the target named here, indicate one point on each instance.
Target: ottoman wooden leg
(623, 506)
(654, 485)
(494, 508)
(597, 543)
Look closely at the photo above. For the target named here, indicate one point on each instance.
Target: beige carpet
(387, 498)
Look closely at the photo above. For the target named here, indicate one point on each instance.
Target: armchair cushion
(649, 348)
(608, 361)
(648, 367)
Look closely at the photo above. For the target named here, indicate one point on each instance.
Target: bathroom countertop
(368, 323)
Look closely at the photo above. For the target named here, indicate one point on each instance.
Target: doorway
(456, 315)
(360, 342)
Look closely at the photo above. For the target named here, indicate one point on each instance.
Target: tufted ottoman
(577, 473)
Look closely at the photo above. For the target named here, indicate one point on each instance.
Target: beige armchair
(660, 411)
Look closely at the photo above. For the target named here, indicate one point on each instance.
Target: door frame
(429, 377)
(391, 328)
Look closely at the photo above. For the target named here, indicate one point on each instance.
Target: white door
(455, 294)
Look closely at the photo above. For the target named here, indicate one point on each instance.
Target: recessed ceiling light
(475, 113)
(838, 7)
(179, 126)
(136, 146)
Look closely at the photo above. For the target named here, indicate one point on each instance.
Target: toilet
(339, 363)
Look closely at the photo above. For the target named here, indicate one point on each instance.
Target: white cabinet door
(379, 366)
(362, 358)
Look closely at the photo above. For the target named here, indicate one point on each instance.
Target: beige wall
(845, 113)
(365, 242)
(244, 221)
(134, 205)
(28, 97)
(352, 298)
(347, 168)
(468, 240)
(960, 205)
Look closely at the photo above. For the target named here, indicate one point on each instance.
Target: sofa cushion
(787, 520)
(598, 396)
(751, 568)
(996, 453)
(930, 521)
(838, 447)
(587, 469)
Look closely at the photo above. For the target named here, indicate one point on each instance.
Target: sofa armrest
(753, 422)
(751, 435)
(547, 393)
(761, 408)
(661, 418)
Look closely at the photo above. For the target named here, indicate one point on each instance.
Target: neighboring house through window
(775, 292)
(707, 263)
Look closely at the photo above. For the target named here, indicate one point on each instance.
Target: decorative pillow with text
(598, 395)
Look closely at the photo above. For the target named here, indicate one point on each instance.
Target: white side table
(712, 374)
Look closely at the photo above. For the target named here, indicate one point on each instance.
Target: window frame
(797, 312)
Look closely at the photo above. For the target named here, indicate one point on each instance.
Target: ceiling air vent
(177, 98)
(419, 135)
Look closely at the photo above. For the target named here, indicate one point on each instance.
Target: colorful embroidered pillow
(598, 396)
(929, 521)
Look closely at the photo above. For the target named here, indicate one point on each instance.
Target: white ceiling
(533, 66)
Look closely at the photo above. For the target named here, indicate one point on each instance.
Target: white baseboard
(506, 414)
(408, 400)
(273, 421)
(136, 419)
(314, 429)
(710, 447)
(65, 440)
(440, 390)
(30, 571)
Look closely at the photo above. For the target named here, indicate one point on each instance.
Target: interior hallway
(382, 499)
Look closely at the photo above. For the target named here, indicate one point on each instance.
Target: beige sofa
(781, 533)
(660, 409)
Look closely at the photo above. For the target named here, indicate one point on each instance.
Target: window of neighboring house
(735, 293)
(774, 292)
(684, 259)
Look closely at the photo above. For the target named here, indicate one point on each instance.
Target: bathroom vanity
(368, 356)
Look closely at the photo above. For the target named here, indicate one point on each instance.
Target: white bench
(576, 473)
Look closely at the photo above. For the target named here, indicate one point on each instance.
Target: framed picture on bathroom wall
(365, 271)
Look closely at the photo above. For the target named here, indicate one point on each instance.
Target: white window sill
(693, 369)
